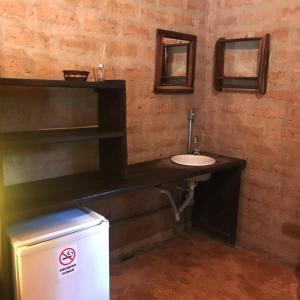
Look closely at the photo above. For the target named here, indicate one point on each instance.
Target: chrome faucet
(191, 117)
(196, 150)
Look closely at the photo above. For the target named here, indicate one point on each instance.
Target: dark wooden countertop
(76, 189)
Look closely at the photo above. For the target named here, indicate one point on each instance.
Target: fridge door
(52, 225)
(74, 266)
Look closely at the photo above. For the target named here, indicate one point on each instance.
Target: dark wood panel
(133, 204)
(141, 227)
(112, 117)
(91, 186)
(106, 84)
(216, 204)
(112, 110)
(11, 140)
(111, 157)
(219, 63)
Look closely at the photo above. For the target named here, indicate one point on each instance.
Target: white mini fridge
(61, 256)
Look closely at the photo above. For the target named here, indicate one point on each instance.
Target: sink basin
(193, 160)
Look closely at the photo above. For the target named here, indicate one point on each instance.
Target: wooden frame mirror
(242, 64)
(175, 62)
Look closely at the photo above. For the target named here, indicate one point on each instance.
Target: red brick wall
(265, 130)
(38, 39)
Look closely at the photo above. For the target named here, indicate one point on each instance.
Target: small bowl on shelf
(75, 75)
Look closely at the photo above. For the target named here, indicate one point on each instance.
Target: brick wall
(38, 39)
(265, 130)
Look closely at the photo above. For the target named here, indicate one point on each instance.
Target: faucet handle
(191, 114)
(196, 150)
(195, 139)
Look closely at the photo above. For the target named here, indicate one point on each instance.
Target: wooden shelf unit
(110, 132)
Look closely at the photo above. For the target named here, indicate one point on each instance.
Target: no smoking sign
(67, 261)
(67, 256)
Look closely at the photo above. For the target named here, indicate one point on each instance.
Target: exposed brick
(172, 3)
(79, 45)
(296, 76)
(26, 37)
(183, 20)
(122, 8)
(227, 21)
(235, 108)
(285, 95)
(158, 125)
(155, 17)
(101, 25)
(293, 116)
(126, 50)
(55, 14)
(49, 67)
(257, 17)
(137, 30)
(290, 12)
(15, 63)
(287, 171)
(291, 135)
(235, 3)
(268, 112)
(250, 130)
(277, 77)
(264, 180)
(196, 4)
(281, 34)
(267, 127)
(12, 8)
(86, 3)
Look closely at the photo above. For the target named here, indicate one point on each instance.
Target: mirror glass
(241, 59)
(175, 62)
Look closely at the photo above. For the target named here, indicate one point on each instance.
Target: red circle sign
(67, 256)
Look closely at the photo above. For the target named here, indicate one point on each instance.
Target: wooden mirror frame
(259, 82)
(172, 88)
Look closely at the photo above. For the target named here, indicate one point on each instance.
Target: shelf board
(249, 83)
(76, 189)
(238, 78)
(106, 84)
(11, 140)
(173, 77)
(247, 39)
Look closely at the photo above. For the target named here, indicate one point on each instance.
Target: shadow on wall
(293, 231)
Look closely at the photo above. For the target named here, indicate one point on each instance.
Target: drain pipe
(189, 199)
(172, 201)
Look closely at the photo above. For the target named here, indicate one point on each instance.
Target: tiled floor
(195, 267)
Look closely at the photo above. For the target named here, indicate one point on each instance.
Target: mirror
(241, 59)
(175, 62)
(242, 64)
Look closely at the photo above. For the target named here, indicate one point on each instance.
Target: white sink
(193, 160)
